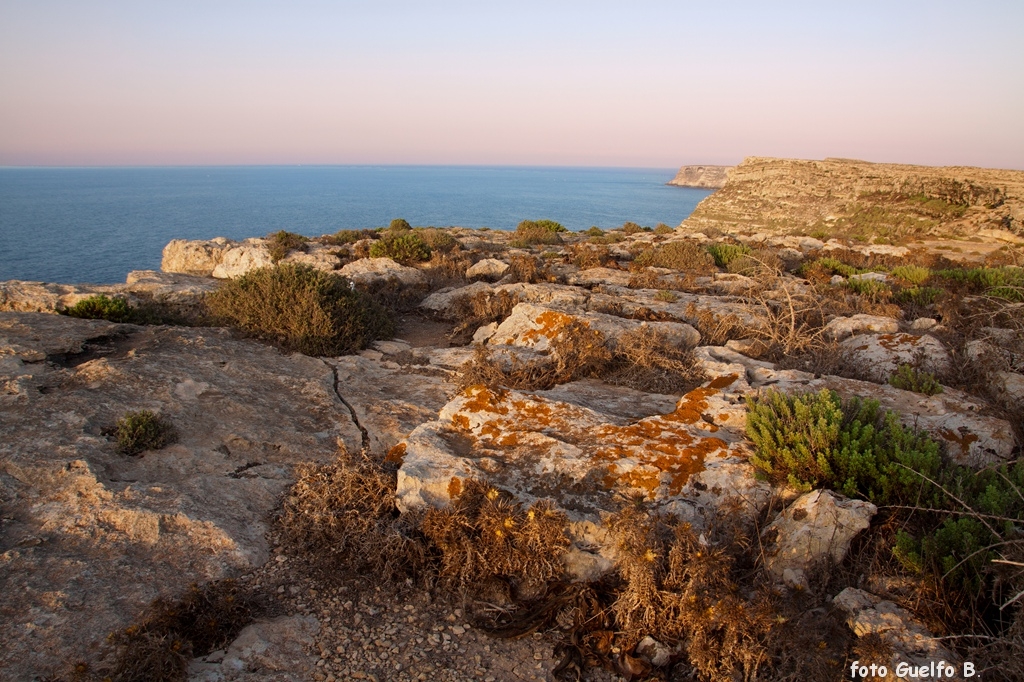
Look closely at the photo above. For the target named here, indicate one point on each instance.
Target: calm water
(96, 224)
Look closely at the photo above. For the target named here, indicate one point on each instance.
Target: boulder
(536, 327)
(911, 642)
(371, 270)
(817, 525)
(600, 277)
(1009, 387)
(488, 268)
(194, 257)
(276, 649)
(842, 327)
(877, 356)
(239, 259)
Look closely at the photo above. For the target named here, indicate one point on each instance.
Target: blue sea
(96, 224)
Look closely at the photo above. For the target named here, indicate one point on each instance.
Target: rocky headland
(609, 383)
(702, 177)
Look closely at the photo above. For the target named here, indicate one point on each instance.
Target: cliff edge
(703, 177)
(865, 201)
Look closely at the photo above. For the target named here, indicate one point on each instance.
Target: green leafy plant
(101, 307)
(909, 378)
(437, 239)
(726, 253)
(871, 289)
(911, 274)
(281, 243)
(406, 247)
(143, 430)
(301, 309)
(399, 225)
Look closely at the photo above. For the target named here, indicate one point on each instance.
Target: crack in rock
(355, 420)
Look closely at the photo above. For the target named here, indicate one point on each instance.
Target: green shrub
(919, 296)
(857, 449)
(633, 228)
(301, 309)
(756, 262)
(349, 237)
(832, 266)
(871, 289)
(144, 430)
(101, 307)
(726, 253)
(1003, 282)
(281, 243)
(910, 378)
(911, 274)
(594, 231)
(407, 247)
(399, 225)
(437, 239)
(530, 232)
(678, 255)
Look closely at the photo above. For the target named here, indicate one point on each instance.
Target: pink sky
(654, 84)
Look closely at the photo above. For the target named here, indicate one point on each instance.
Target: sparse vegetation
(406, 247)
(909, 378)
(143, 430)
(531, 232)
(101, 307)
(301, 309)
(725, 253)
(685, 256)
(281, 243)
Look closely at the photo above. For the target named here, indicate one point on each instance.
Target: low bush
(632, 228)
(399, 225)
(663, 229)
(281, 243)
(645, 360)
(404, 247)
(726, 253)
(101, 307)
(342, 237)
(909, 378)
(679, 255)
(914, 275)
(594, 231)
(759, 263)
(871, 289)
(919, 297)
(143, 430)
(301, 309)
(438, 239)
(530, 232)
(585, 256)
(1003, 282)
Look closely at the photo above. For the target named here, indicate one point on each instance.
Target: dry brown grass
(159, 647)
(447, 268)
(714, 329)
(344, 514)
(527, 269)
(473, 312)
(577, 352)
(584, 255)
(645, 360)
(486, 537)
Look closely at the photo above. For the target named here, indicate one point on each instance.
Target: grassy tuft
(281, 243)
(910, 378)
(679, 255)
(101, 307)
(404, 247)
(143, 430)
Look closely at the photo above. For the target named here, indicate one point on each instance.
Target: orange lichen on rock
(894, 341)
(551, 325)
(454, 487)
(656, 455)
(962, 439)
(396, 455)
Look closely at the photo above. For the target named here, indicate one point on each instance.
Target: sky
(646, 84)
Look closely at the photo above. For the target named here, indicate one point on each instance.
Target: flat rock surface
(90, 536)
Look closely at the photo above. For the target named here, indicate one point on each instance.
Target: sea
(94, 225)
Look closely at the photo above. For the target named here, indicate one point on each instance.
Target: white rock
(369, 270)
(193, 257)
(867, 614)
(842, 327)
(817, 525)
(485, 332)
(598, 276)
(239, 259)
(488, 268)
(1010, 387)
(877, 356)
(923, 324)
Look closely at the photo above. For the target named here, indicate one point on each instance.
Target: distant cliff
(865, 201)
(705, 177)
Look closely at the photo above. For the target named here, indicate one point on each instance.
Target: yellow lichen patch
(484, 399)
(460, 421)
(550, 326)
(894, 341)
(454, 487)
(396, 455)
